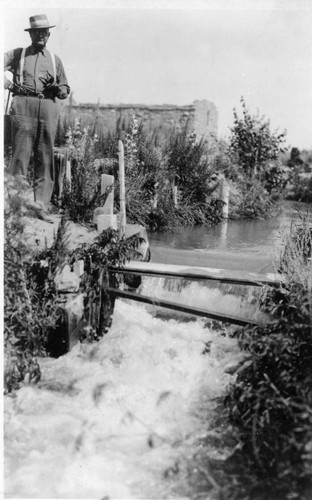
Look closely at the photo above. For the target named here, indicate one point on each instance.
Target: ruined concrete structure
(201, 116)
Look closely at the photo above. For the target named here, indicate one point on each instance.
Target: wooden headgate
(147, 270)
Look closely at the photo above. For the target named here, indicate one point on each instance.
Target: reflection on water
(250, 236)
(231, 236)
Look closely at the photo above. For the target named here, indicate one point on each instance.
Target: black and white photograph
(157, 249)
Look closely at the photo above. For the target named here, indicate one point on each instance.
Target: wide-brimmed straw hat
(39, 22)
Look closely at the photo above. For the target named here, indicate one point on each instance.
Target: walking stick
(7, 103)
(7, 123)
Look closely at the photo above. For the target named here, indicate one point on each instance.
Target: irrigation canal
(124, 418)
(242, 245)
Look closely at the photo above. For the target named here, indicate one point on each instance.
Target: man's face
(39, 37)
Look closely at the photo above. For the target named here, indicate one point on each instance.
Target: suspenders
(21, 66)
(22, 63)
(54, 66)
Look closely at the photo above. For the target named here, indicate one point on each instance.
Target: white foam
(106, 418)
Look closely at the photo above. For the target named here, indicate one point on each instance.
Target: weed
(29, 311)
(270, 402)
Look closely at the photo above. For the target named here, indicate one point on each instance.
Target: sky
(175, 52)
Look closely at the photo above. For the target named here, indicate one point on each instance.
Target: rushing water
(120, 418)
(112, 419)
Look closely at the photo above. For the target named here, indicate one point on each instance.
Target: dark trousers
(34, 123)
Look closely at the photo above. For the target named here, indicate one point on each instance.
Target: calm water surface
(242, 244)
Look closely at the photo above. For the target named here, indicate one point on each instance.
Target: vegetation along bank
(170, 184)
(175, 180)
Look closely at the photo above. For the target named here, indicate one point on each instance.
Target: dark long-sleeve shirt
(38, 66)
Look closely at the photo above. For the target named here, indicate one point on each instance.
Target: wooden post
(107, 302)
(175, 195)
(68, 176)
(224, 196)
(155, 200)
(155, 197)
(104, 216)
(223, 234)
(79, 267)
(106, 182)
(122, 228)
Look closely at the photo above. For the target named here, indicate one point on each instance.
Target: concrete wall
(202, 116)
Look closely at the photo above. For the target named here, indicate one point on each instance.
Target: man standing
(38, 79)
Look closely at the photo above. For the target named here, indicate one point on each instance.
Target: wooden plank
(195, 276)
(225, 318)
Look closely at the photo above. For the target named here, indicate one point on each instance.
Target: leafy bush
(301, 187)
(299, 176)
(151, 172)
(252, 160)
(140, 173)
(83, 194)
(295, 159)
(108, 249)
(253, 201)
(270, 402)
(188, 165)
(224, 163)
(252, 142)
(29, 313)
(297, 250)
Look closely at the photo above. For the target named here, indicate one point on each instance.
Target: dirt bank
(40, 234)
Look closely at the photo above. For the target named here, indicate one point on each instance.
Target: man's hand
(14, 87)
(49, 85)
(8, 85)
(48, 81)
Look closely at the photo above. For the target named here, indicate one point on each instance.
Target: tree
(295, 159)
(253, 144)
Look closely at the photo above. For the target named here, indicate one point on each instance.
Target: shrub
(224, 163)
(140, 173)
(253, 162)
(297, 251)
(301, 187)
(253, 200)
(83, 194)
(188, 165)
(29, 313)
(150, 176)
(270, 402)
(295, 159)
(108, 249)
(252, 142)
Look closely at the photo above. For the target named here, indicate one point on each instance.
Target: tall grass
(83, 194)
(152, 169)
(270, 403)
